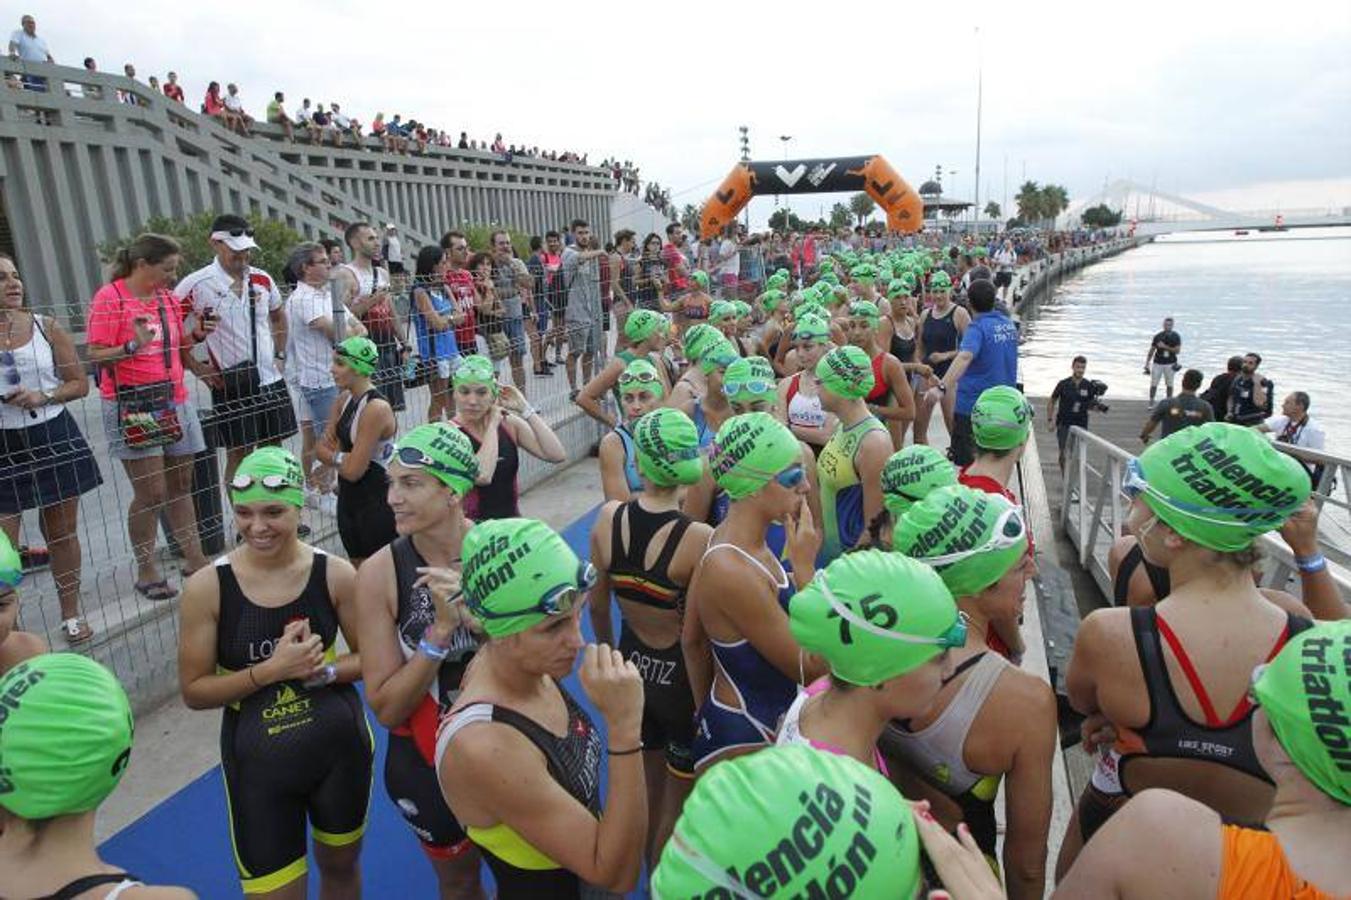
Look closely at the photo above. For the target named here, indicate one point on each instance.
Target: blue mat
(186, 841)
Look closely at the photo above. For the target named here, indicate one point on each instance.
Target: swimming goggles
(639, 377)
(887, 616)
(272, 481)
(557, 601)
(1258, 671)
(748, 387)
(415, 458)
(1134, 484)
(1009, 531)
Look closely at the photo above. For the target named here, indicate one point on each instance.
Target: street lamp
(746, 157)
(784, 139)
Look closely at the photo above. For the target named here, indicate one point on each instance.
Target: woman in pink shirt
(135, 334)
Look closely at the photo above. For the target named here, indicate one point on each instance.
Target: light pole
(746, 157)
(980, 78)
(784, 139)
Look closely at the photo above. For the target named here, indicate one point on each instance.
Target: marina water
(1286, 296)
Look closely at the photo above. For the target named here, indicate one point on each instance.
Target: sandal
(76, 630)
(156, 590)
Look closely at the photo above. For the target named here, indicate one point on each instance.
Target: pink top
(111, 314)
(790, 732)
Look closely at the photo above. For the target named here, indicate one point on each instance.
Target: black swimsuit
(365, 521)
(668, 702)
(1159, 579)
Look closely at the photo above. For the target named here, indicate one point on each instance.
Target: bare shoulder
(1102, 629)
(375, 575)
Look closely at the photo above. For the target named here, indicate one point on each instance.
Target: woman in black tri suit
(645, 551)
(259, 640)
(415, 641)
(518, 759)
(358, 443)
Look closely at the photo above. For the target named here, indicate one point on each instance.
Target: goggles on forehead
(950, 639)
(557, 601)
(752, 386)
(272, 481)
(1009, 531)
(415, 458)
(639, 378)
(1134, 484)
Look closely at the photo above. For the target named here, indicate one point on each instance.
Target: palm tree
(1030, 202)
(992, 210)
(689, 217)
(1056, 200)
(862, 206)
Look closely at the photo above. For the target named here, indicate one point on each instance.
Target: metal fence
(1094, 509)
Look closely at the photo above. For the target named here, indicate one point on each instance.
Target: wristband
(130, 347)
(629, 752)
(253, 678)
(338, 458)
(529, 411)
(1311, 564)
(431, 651)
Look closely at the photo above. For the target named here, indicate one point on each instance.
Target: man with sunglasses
(1300, 735)
(246, 348)
(991, 720)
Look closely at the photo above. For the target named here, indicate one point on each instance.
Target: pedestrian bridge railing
(1094, 509)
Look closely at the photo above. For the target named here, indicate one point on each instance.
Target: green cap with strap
(476, 369)
(1001, 418)
(718, 355)
(749, 379)
(266, 475)
(940, 281)
(811, 328)
(640, 372)
(643, 323)
(791, 822)
(865, 309)
(720, 310)
(65, 735)
(519, 572)
(897, 287)
(1220, 485)
(1306, 695)
(359, 354)
(771, 299)
(11, 565)
(846, 371)
(698, 338)
(743, 309)
(910, 474)
(667, 445)
(874, 615)
(748, 451)
(970, 537)
(700, 277)
(446, 453)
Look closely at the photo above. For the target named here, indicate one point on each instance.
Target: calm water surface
(1288, 299)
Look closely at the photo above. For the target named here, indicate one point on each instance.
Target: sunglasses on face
(236, 232)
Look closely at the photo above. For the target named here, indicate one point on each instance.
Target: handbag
(242, 382)
(146, 414)
(416, 371)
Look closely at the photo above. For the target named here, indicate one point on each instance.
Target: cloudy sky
(1241, 104)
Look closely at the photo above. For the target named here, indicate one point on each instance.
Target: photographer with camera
(1076, 396)
(1250, 395)
(1182, 411)
(1161, 360)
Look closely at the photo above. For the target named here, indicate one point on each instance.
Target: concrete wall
(79, 168)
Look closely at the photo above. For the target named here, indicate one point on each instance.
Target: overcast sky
(1239, 103)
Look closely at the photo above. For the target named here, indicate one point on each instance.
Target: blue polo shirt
(992, 341)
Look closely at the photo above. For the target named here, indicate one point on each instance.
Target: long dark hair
(427, 260)
(152, 249)
(648, 240)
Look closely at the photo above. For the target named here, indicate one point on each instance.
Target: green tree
(275, 241)
(1030, 202)
(784, 219)
(862, 206)
(1055, 200)
(689, 217)
(1100, 216)
(840, 216)
(992, 210)
(478, 235)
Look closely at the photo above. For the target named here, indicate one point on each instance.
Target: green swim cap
(864, 273)
(781, 273)
(445, 452)
(700, 278)
(718, 355)
(828, 276)
(518, 572)
(65, 735)
(1218, 485)
(979, 252)
(643, 323)
(897, 287)
(865, 309)
(268, 474)
(972, 538)
(743, 309)
(748, 451)
(11, 566)
(359, 354)
(1001, 418)
(811, 328)
(771, 299)
(667, 445)
(750, 379)
(791, 822)
(698, 338)
(719, 310)
(641, 372)
(476, 369)
(1305, 692)
(874, 615)
(910, 474)
(846, 371)
(940, 281)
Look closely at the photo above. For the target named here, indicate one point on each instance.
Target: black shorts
(963, 447)
(414, 789)
(365, 521)
(272, 791)
(265, 418)
(45, 464)
(1003, 279)
(668, 701)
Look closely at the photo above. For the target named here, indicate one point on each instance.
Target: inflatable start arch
(873, 174)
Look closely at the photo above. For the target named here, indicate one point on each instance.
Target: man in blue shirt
(988, 356)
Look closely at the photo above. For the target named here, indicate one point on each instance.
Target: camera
(1096, 389)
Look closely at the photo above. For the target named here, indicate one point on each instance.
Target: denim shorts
(316, 404)
(514, 328)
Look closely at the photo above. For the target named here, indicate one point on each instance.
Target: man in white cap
(247, 348)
